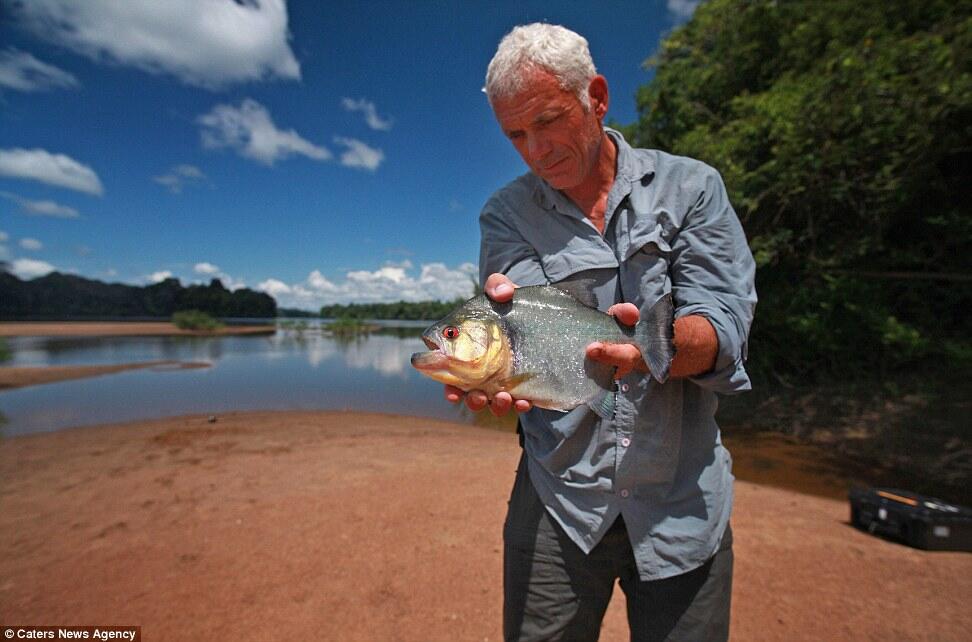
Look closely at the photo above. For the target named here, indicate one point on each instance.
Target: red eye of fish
(451, 332)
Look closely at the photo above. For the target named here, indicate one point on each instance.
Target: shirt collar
(631, 167)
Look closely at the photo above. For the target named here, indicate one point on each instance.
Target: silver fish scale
(550, 331)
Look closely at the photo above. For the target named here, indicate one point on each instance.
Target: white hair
(552, 48)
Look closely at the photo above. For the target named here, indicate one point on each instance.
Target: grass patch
(347, 326)
(195, 320)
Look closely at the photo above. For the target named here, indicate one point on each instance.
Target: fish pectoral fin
(513, 382)
(603, 405)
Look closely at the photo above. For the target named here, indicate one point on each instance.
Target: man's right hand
(500, 289)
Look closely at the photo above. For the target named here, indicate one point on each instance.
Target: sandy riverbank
(22, 376)
(120, 329)
(350, 526)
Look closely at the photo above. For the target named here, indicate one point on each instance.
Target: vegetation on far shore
(195, 320)
(66, 296)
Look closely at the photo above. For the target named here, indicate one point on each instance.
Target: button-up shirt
(660, 463)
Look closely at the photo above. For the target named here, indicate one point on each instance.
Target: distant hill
(65, 296)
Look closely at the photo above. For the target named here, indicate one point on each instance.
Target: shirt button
(625, 442)
(625, 492)
(624, 387)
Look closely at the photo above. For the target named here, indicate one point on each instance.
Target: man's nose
(538, 146)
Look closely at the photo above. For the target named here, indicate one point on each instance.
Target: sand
(120, 329)
(22, 376)
(351, 526)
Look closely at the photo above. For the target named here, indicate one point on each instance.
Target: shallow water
(291, 369)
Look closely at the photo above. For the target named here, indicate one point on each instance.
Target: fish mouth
(432, 360)
(430, 343)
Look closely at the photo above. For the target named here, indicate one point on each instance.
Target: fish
(534, 347)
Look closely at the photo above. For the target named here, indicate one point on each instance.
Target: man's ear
(597, 91)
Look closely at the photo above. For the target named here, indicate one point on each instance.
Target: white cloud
(179, 176)
(31, 244)
(359, 155)
(370, 113)
(53, 169)
(21, 71)
(213, 271)
(4, 252)
(30, 268)
(208, 43)
(683, 9)
(3, 236)
(42, 208)
(276, 289)
(250, 130)
(391, 282)
(158, 277)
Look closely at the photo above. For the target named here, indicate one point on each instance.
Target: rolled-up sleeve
(713, 273)
(502, 249)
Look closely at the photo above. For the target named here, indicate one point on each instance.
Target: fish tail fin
(654, 335)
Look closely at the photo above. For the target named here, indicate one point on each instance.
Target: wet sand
(119, 329)
(354, 526)
(21, 376)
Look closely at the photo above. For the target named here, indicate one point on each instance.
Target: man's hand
(500, 289)
(625, 357)
(696, 346)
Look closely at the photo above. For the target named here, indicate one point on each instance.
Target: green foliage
(5, 354)
(348, 326)
(65, 296)
(402, 310)
(842, 130)
(195, 320)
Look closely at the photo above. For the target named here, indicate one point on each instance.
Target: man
(645, 497)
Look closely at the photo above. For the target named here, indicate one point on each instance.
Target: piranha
(533, 347)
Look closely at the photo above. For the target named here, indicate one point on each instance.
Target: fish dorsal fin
(579, 287)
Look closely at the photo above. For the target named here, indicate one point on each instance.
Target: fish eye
(451, 332)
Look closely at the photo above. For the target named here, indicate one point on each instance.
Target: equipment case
(917, 520)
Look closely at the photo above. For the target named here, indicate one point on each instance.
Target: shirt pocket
(644, 271)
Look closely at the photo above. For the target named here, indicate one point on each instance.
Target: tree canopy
(842, 130)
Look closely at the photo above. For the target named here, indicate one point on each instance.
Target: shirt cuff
(729, 375)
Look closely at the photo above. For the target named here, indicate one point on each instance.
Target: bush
(195, 320)
(5, 354)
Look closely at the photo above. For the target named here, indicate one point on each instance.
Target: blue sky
(320, 151)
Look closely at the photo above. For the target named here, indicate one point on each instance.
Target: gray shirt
(660, 462)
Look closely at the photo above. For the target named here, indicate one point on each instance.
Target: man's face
(557, 139)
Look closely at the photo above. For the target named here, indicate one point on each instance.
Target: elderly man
(643, 498)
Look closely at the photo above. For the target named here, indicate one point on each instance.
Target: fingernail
(502, 289)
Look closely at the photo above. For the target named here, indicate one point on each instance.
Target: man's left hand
(623, 356)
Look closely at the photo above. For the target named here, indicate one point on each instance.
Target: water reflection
(295, 368)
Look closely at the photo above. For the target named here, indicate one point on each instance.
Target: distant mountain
(65, 296)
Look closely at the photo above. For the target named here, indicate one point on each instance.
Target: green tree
(842, 130)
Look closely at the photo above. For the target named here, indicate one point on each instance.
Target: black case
(917, 520)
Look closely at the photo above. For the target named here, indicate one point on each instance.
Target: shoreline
(120, 329)
(12, 377)
(360, 526)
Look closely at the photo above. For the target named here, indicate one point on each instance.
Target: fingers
(501, 403)
(626, 313)
(623, 356)
(499, 287)
(476, 400)
(453, 394)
